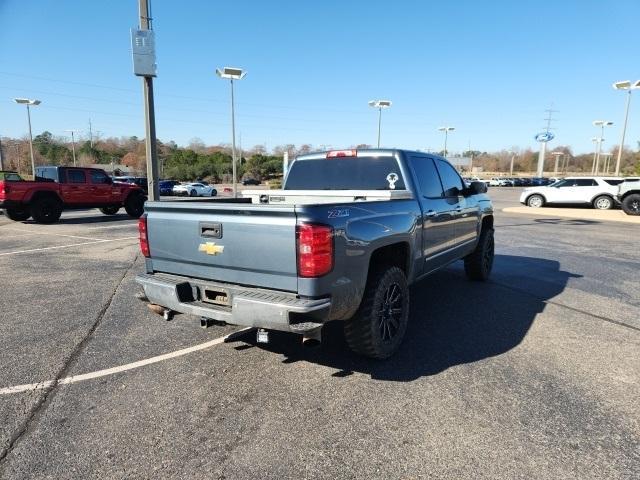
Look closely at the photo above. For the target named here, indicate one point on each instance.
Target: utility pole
(90, 136)
(1, 164)
(513, 157)
(149, 112)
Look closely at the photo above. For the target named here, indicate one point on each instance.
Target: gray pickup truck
(343, 240)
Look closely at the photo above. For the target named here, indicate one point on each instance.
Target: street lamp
(379, 104)
(231, 74)
(446, 131)
(28, 102)
(73, 146)
(628, 86)
(601, 124)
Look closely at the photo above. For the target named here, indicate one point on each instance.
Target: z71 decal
(338, 213)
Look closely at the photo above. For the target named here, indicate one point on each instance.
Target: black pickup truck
(343, 240)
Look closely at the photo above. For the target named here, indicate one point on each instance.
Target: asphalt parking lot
(535, 374)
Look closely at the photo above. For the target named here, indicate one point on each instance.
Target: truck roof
(360, 152)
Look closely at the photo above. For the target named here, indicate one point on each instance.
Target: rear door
(438, 213)
(75, 190)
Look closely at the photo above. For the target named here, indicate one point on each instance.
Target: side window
(584, 182)
(99, 177)
(76, 176)
(451, 181)
(427, 175)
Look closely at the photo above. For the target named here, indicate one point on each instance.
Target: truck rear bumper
(238, 305)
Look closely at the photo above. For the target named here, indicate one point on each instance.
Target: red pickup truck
(58, 188)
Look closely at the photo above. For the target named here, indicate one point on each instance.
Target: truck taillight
(4, 190)
(315, 250)
(144, 235)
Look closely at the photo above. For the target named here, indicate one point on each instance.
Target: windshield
(349, 173)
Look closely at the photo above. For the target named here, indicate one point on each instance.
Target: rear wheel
(379, 325)
(535, 201)
(603, 202)
(134, 205)
(631, 204)
(478, 264)
(46, 210)
(18, 214)
(110, 210)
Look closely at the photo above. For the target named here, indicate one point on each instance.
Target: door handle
(458, 208)
(431, 213)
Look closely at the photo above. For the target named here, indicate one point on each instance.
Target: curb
(579, 213)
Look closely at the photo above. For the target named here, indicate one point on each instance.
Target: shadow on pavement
(98, 218)
(453, 321)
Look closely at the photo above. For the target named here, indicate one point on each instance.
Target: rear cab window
(345, 173)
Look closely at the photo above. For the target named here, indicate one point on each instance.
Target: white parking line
(51, 233)
(121, 368)
(132, 224)
(65, 246)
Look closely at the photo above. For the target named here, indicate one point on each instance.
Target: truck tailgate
(227, 242)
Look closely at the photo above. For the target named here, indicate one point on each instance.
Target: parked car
(500, 182)
(166, 186)
(629, 196)
(250, 181)
(343, 240)
(139, 181)
(194, 190)
(596, 191)
(59, 188)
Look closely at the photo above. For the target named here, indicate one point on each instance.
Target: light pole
(379, 104)
(73, 146)
(596, 142)
(606, 162)
(601, 124)
(446, 131)
(28, 102)
(513, 157)
(557, 155)
(231, 73)
(628, 86)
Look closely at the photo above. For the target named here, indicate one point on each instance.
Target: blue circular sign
(544, 137)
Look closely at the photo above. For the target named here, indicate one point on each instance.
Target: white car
(499, 182)
(597, 191)
(194, 190)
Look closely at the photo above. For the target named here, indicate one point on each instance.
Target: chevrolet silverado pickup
(343, 240)
(629, 196)
(59, 188)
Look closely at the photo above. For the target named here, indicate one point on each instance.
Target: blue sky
(488, 68)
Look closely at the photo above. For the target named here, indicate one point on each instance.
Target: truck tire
(535, 201)
(603, 202)
(18, 214)
(379, 325)
(110, 210)
(46, 209)
(134, 205)
(478, 264)
(631, 204)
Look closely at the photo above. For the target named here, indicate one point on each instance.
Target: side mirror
(477, 188)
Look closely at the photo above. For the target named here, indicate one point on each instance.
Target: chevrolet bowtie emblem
(210, 248)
